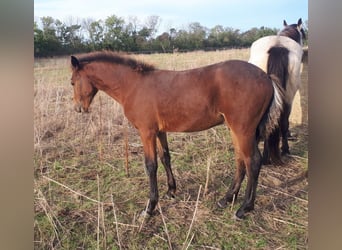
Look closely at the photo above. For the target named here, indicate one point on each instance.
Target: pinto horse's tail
(270, 120)
(278, 62)
(276, 106)
(269, 128)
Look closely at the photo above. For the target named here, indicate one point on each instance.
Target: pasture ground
(90, 185)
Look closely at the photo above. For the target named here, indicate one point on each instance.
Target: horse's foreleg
(253, 165)
(149, 144)
(165, 158)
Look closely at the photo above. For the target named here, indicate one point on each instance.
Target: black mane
(116, 58)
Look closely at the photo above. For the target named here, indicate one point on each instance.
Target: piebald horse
(281, 55)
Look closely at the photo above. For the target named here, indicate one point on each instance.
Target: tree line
(54, 37)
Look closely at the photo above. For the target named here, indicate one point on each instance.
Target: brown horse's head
(84, 90)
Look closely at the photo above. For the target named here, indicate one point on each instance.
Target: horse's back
(259, 55)
(259, 50)
(267, 42)
(248, 75)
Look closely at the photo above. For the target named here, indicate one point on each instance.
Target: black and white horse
(281, 55)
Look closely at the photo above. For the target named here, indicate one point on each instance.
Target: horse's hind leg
(253, 165)
(234, 187)
(165, 158)
(284, 126)
(238, 177)
(271, 153)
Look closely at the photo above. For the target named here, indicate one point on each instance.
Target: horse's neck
(114, 81)
(293, 36)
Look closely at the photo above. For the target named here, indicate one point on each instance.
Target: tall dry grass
(90, 185)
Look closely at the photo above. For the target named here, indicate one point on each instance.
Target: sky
(178, 14)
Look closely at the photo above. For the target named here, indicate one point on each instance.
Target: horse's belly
(192, 123)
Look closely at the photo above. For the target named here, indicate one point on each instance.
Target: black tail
(277, 64)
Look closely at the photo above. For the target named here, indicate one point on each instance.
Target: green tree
(50, 44)
(54, 37)
(152, 24)
(113, 33)
(94, 33)
(215, 37)
(38, 40)
(197, 35)
(164, 40)
(130, 34)
(181, 40)
(248, 37)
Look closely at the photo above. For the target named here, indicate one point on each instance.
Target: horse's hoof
(292, 137)
(285, 152)
(170, 196)
(236, 218)
(144, 214)
(239, 215)
(222, 203)
(277, 162)
(266, 162)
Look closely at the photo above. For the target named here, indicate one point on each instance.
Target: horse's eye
(72, 83)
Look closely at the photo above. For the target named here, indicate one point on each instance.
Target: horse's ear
(74, 62)
(299, 23)
(285, 23)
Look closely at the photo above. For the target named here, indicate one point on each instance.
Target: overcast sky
(238, 14)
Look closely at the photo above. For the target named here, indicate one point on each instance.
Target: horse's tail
(277, 63)
(270, 120)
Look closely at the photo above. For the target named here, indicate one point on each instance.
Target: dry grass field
(90, 185)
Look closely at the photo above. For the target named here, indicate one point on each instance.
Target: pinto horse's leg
(149, 144)
(271, 153)
(238, 177)
(284, 127)
(165, 158)
(253, 165)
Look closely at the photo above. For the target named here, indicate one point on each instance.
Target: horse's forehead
(73, 76)
(76, 74)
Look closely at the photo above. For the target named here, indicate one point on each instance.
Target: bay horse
(156, 101)
(281, 55)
